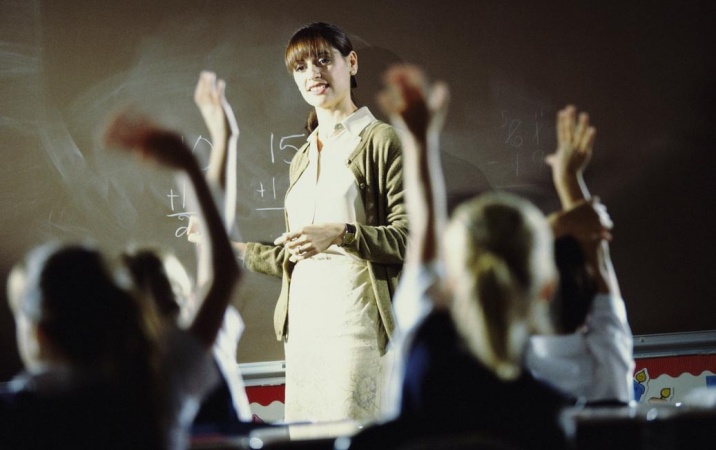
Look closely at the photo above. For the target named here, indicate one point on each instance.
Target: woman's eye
(299, 67)
(324, 61)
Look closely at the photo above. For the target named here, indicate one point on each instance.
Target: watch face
(350, 237)
(350, 234)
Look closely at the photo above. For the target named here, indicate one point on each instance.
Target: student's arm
(608, 335)
(575, 141)
(419, 121)
(209, 96)
(167, 149)
(219, 118)
(418, 112)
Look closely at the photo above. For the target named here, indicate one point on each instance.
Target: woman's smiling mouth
(318, 88)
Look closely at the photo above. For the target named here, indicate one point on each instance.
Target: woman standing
(342, 254)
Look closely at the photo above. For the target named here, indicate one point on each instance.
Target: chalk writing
(182, 216)
(279, 155)
(514, 129)
(283, 145)
(281, 151)
(177, 196)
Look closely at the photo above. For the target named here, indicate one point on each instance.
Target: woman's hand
(311, 239)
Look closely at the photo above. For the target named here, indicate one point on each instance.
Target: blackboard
(644, 70)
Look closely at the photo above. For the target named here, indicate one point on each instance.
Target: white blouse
(327, 190)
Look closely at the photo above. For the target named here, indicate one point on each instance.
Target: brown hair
(313, 40)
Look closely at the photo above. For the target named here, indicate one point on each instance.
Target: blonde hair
(502, 245)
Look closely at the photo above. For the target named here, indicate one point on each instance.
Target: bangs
(305, 46)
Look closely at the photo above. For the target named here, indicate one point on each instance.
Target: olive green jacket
(377, 164)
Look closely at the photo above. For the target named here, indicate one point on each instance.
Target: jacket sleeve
(271, 259)
(265, 259)
(383, 239)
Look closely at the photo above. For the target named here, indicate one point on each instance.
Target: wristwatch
(349, 235)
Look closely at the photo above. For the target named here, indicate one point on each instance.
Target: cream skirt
(333, 363)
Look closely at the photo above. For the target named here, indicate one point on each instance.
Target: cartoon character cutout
(641, 379)
(665, 394)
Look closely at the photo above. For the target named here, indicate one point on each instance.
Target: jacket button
(362, 185)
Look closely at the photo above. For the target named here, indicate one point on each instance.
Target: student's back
(88, 351)
(449, 389)
(42, 412)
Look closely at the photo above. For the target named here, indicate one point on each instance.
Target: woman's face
(325, 80)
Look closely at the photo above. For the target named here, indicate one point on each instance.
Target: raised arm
(418, 112)
(166, 149)
(575, 141)
(219, 118)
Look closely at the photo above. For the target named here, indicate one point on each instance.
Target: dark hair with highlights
(577, 288)
(89, 315)
(313, 40)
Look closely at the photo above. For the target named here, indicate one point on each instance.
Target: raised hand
(575, 140)
(131, 131)
(209, 96)
(420, 110)
(587, 221)
(411, 102)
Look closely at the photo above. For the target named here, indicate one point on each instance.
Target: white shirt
(412, 302)
(597, 364)
(327, 190)
(191, 374)
(224, 351)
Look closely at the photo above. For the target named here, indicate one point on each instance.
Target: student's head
(323, 63)
(577, 287)
(71, 308)
(500, 269)
(149, 269)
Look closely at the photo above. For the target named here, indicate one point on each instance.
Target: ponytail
(497, 304)
(505, 248)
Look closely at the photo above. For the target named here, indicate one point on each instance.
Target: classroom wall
(644, 71)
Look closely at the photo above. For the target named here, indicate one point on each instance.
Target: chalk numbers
(523, 137)
(281, 151)
(177, 196)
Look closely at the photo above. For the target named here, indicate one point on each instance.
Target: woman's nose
(314, 69)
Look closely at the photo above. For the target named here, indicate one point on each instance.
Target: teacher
(342, 253)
